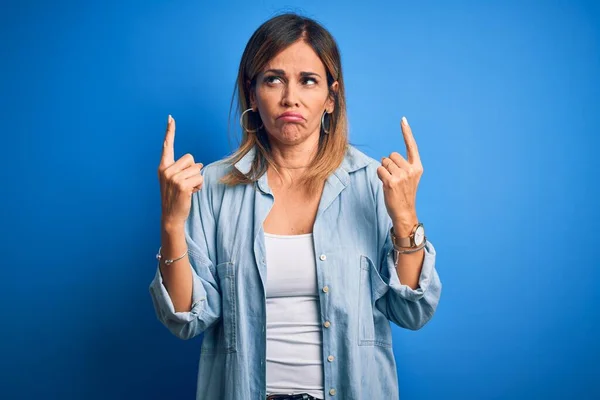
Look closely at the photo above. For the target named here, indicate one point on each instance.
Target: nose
(289, 97)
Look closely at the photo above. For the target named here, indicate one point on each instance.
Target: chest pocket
(373, 326)
(222, 336)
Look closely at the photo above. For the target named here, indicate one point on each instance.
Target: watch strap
(406, 242)
(400, 241)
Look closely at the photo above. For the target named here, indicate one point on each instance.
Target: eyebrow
(282, 72)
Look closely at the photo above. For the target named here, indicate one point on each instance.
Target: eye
(310, 79)
(271, 79)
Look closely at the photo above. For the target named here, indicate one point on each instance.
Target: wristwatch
(416, 238)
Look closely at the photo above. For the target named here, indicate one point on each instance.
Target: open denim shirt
(354, 258)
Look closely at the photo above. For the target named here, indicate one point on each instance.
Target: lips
(291, 117)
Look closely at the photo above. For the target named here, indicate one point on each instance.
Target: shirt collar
(353, 161)
(245, 163)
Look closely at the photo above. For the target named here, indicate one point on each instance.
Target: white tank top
(294, 342)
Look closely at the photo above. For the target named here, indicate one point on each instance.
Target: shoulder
(213, 189)
(360, 166)
(364, 176)
(356, 160)
(215, 171)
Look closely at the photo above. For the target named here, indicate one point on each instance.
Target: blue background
(503, 99)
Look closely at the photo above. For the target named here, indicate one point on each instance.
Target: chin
(290, 134)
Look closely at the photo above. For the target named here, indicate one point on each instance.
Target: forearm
(408, 266)
(177, 277)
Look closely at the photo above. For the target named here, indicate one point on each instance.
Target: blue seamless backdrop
(503, 99)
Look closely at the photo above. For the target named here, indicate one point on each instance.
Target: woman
(293, 255)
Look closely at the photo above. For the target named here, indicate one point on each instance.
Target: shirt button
(326, 289)
(332, 392)
(326, 324)
(323, 257)
(330, 358)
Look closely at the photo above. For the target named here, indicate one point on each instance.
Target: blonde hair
(267, 41)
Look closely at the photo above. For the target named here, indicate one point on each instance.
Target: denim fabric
(354, 258)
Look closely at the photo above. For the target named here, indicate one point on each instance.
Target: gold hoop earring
(323, 122)
(242, 122)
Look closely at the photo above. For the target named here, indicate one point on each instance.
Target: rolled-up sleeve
(206, 304)
(406, 307)
(206, 296)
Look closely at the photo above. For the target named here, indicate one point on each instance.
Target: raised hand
(178, 180)
(400, 179)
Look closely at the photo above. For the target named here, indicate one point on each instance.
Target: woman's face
(294, 81)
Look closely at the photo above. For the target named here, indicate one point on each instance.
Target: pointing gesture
(178, 180)
(168, 153)
(400, 179)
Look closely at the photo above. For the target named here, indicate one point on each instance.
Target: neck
(295, 157)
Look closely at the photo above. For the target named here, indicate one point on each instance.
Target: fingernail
(170, 118)
(404, 120)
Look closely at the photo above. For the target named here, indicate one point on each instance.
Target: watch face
(419, 235)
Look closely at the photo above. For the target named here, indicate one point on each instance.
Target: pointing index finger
(168, 154)
(412, 152)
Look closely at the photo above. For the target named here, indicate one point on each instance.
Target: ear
(330, 104)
